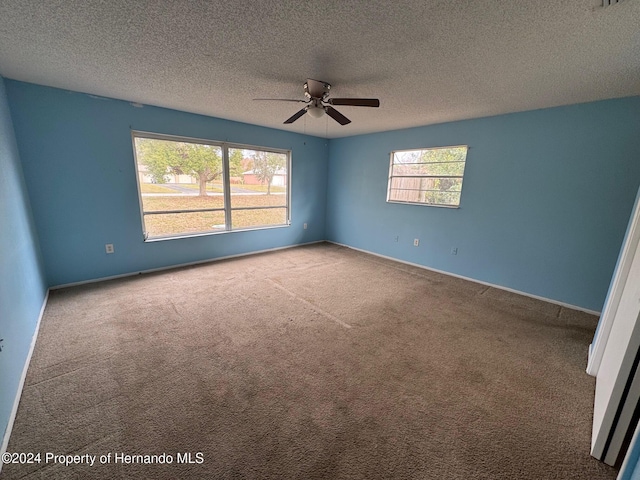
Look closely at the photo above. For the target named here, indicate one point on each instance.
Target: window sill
(424, 204)
(206, 234)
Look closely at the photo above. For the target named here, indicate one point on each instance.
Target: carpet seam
(309, 304)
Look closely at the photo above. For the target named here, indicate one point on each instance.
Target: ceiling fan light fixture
(315, 111)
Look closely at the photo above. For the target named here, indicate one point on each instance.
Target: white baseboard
(16, 402)
(179, 265)
(210, 260)
(500, 287)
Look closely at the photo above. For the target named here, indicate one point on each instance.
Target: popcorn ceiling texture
(428, 61)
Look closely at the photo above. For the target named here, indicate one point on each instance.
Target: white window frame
(225, 146)
(425, 204)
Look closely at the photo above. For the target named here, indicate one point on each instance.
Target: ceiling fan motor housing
(316, 89)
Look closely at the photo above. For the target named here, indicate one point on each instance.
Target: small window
(429, 176)
(193, 187)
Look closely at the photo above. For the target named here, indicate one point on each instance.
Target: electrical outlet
(1, 340)
(109, 248)
(304, 226)
(396, 238)
(454, 250)
(416, 242)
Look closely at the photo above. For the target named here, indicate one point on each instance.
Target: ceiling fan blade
(316, 88)
(336, 115)
(355, 102)
(296, 116)
(280, 100)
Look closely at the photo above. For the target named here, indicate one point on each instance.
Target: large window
(429, 176)
(194, 187)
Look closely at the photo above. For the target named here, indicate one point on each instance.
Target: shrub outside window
(428, 176)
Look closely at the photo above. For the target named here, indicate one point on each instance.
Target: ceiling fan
(319, 103)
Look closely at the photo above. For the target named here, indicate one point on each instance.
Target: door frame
(620, 275)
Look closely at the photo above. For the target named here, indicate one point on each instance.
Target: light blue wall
(22, 285)
(546, 198)
(78, 163)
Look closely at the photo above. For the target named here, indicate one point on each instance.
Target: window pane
(178, 176)
(442, 198)
(258, 179)
(421, 196)
(164, 203)
(258, 217)
(449, 168)
(183, 188)
(183, 167)
(428, 183)
(429, 176)
(178, 223)
(412, 196)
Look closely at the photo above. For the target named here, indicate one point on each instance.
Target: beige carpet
(316, 362)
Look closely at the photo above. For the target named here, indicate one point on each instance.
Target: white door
(616, 392)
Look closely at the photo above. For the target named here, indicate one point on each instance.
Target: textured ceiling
(428, 61)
